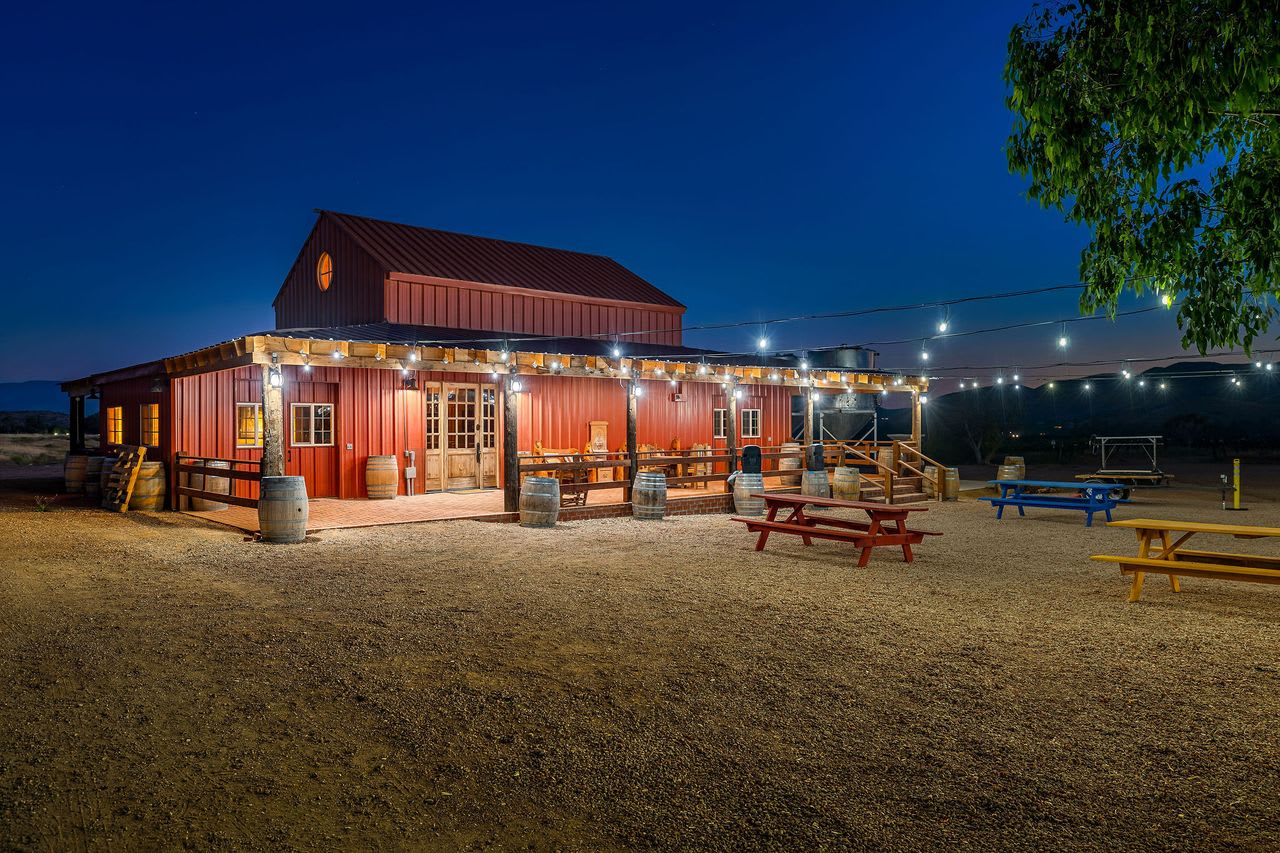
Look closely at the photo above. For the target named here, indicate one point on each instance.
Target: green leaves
(1157, 124)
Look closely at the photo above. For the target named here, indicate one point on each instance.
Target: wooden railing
(188, 464)
(681, 467)
(939, 472)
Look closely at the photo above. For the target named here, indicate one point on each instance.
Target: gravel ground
(616, 684)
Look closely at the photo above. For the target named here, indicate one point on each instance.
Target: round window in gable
(324, 271)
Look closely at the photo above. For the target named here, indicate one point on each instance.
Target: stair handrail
(936, 479)
(887, 469)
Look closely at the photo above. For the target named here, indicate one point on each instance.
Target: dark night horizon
(163, 167)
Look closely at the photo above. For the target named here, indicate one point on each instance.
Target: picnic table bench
(1174, 560)
(876, 532)
(1086, 497)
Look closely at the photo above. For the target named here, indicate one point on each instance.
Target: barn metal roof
(463, 257)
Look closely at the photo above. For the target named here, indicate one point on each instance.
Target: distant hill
(1195, 408)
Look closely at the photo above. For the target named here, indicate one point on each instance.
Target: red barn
(467, 357)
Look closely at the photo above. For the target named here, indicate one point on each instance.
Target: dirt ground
(620, 684)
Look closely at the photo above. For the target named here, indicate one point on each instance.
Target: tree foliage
(1157, 125)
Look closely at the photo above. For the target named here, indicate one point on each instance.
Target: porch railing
(249, 471)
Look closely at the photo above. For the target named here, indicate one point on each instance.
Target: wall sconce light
(275, 378)
(410, 383)
(93, 393)
(157, 385)
(517, 386)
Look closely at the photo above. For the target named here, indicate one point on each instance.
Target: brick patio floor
(331, 513)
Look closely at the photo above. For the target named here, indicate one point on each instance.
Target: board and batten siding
(355, 292)
(468, 305)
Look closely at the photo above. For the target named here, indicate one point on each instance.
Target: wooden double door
(460, 439)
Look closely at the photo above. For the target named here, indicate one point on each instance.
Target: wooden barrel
(649, 497)
(381, 477)
(1008, 472)
(539, 502)
(790, 463)
(148, 489)
(814, 484)
(1019, 463)
(931, 481)
(282, 509)
(744, 486)
(209, 483)
(93, 478)
(950, 484)
(846, 485)
(73, 473)
(108, 467)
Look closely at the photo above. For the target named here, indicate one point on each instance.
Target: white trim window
(750, 423)
(248, 424)
(719, 421)
(312, 425)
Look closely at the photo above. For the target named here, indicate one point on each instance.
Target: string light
(617, 351)
(804, 365)
(999, 380)
(1062, 337)
(1163, 385)
(1087, 386)
(1052, 386)
(506, 356)
(1167, 301)
(1015, 377)
(413, 355)
(762, 344)
(924, 399)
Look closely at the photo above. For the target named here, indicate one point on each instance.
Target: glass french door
(460, 440)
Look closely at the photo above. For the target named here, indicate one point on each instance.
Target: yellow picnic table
(1159, 552)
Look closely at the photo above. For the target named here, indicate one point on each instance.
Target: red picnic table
(876, 532)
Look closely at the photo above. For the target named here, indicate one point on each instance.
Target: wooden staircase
(906, 490)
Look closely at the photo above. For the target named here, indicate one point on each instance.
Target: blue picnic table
(1086, 497)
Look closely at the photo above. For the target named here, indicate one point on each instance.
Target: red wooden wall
(354, 294)
(129, 395)
(375, 415)
(461, 305)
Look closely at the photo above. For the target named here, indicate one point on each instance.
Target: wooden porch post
(77, 424)
(915, 419)
(510, 451)
(633, 453)
(731, 428)
(272, 426)
(808, 418)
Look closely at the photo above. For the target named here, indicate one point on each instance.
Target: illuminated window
(719, 419)
(324, 271)
(312, 425)
(248, 424)
(115, 425)
(149, 424)
(750, 423)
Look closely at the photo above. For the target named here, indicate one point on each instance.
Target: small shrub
(44, 503)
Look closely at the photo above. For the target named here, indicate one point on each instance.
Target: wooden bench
(1171, 559)
(1086, 498)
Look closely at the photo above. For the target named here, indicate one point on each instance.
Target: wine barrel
(104, 477)
(744, 486)
(846, 485)
(1008, 472)
(649, 497)
(790, 463)
(950, 484)
(148, 489)
(73, 473)
(539, 502)
(814, 484)
(282, 509)
(931, 483)
(1019, 463)
(209, 483)
(381, 477)
(93, 478)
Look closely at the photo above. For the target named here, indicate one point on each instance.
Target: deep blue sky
(161, 164)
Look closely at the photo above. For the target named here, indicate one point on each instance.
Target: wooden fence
(250, 471)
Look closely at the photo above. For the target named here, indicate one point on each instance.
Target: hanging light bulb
(506, 356)
(617, 351)
(1052, 385)
(999, 380)
(413, 355)
(673, 383)
(404, 371)
(337, 355)
(1015, 377)
(924, 399)
(924, 355)
(1087, 386)
(943, 326)
(804, 365)
(1125, 374)
(961, 386)
(1257, 364)
(1062, 337)
(1167, 301)
(1142, 383)
(1164, 385)
(774, 376)
(1269, 365)
(762, 344)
